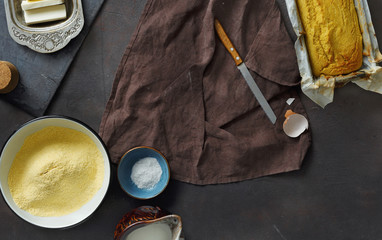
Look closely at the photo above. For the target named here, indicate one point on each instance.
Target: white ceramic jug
(148, 223)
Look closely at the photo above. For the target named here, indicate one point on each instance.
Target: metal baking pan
(44, 37)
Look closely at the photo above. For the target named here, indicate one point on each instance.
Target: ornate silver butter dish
(44, 37)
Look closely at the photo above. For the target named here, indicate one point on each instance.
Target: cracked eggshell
(295, 124)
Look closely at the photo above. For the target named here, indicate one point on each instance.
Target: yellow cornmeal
(56, 172)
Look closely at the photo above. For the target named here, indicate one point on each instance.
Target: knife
(244, 71)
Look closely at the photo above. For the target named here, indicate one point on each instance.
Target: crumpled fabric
(178, 90)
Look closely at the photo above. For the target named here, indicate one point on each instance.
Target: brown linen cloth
(178, 90)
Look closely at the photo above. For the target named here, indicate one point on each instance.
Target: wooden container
(9, 77)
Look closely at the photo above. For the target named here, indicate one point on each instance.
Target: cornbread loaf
(333, 36)
(9, 77)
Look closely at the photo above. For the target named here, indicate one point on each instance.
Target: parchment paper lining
(321, 90)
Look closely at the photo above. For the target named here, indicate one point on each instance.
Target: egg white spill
(295, 125)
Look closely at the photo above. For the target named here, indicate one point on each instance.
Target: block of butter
(28, 4)
(45, 14)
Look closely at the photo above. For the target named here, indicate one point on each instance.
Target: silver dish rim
(47, 39)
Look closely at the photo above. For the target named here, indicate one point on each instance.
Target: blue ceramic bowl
(124, 172)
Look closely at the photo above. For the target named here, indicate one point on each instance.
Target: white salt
(146, 173)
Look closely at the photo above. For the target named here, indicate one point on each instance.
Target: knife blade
(244, 71)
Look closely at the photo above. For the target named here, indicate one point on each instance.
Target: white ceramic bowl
(13, 145)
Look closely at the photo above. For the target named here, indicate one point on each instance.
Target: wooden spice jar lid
(9, 77)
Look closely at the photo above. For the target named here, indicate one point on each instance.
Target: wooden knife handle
(227, 43)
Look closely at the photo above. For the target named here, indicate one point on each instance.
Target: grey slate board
(40, 74)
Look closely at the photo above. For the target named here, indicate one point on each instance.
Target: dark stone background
(336, 195)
